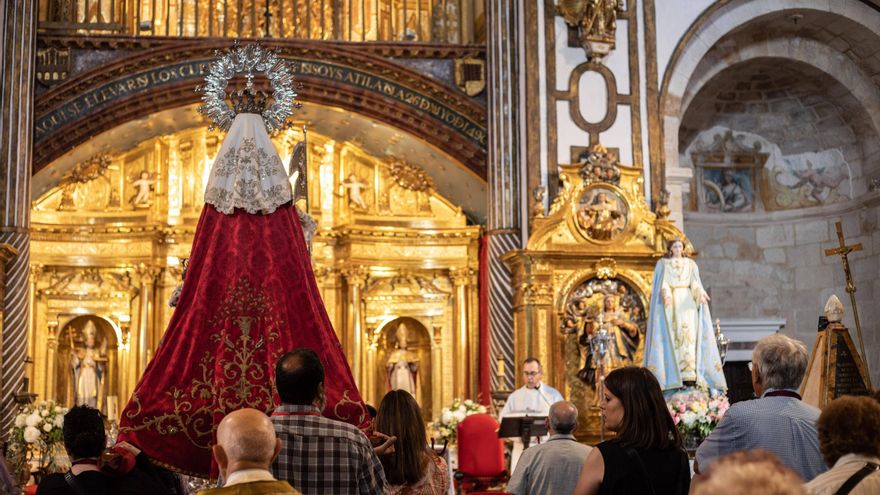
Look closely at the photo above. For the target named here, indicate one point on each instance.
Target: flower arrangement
(451, 416)
(696, 413)
(36, 438)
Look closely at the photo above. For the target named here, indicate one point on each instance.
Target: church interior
(491, 181)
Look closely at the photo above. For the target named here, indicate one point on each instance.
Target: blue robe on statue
(680, 342)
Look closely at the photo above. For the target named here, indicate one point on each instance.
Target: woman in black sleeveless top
(646, 455)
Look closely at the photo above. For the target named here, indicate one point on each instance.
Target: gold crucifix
(843, 251)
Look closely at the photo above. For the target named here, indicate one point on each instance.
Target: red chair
(480, 455)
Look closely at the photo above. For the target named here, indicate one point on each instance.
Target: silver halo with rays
(248, 59)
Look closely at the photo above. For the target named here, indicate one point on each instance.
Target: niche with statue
(405, 360)
(86, 366)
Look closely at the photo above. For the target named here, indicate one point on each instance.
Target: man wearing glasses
(532, 399)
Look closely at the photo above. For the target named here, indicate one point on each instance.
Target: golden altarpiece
(109, 243)
(588, 262)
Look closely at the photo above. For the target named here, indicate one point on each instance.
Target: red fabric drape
(249, 297)
(484, 370)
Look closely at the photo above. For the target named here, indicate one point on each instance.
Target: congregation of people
(775, 444)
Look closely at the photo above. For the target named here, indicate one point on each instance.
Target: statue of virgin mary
(249, 296)
(680, 346)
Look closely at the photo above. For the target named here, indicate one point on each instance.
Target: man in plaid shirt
(319, 455)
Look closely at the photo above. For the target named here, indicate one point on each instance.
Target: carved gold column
(368, 385)
(126, 382)
(461, 280)
(36, 341)
(533, 313)
(329, 285)
(356, 279)
(51, 360)
(17, 57)
(146, 276)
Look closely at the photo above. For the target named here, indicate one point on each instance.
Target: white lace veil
(248, 172)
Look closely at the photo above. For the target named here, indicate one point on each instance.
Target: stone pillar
(18, 20)
(505, 181)
(356, 278)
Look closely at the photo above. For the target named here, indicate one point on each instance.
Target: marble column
(505, 177)
(17, 54)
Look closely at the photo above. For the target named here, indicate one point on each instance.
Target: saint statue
(402, 364)
(602, 219)
(680, 343)
(88, 365)
(624, 340)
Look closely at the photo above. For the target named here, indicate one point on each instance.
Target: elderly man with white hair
(778, 421)
(246, 447)
(553, 466)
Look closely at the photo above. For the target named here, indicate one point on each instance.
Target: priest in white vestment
(532, 399)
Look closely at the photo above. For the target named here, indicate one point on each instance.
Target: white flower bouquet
(451, 416)
(696, 413)
(36, 438)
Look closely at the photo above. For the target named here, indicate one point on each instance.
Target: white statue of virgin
(680, 344)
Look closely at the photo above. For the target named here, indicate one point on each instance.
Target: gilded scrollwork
(606, 268)
(598, 165)
(356, 275)
(462, 276)
(409, 176)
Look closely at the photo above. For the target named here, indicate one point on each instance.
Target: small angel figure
(355, 187)
(144, 186)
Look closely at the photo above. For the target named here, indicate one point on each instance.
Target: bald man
(246, 447)
(553, 466)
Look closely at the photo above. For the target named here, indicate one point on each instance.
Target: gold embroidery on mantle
(346, 399)
(243, 357)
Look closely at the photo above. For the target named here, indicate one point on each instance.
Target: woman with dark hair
(413, 468)
(646, 455)
(84, 439)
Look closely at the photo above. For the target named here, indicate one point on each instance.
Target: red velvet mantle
(249, 296)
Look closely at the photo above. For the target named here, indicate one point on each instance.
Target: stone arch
(163, 77)
(711, 28)
(809, 52)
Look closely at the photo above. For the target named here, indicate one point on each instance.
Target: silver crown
(249, 100)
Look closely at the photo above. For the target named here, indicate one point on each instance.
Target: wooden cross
(843, 251)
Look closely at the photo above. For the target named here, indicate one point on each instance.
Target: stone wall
(773, 265)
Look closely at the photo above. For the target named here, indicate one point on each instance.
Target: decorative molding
(164, 77)
(377, 48)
